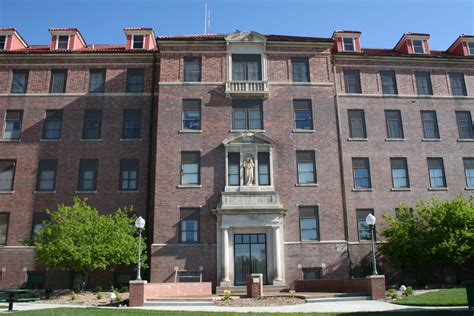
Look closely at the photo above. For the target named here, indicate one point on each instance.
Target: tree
(76, 237)
(436, 232)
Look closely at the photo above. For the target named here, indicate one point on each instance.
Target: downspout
(341, 164)
(151, 167)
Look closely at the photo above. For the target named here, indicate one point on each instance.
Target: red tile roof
(7, 29)
(271, 37)
(45, 49)
(63, 29)
(138, 29)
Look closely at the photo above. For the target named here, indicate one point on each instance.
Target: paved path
(336, 307)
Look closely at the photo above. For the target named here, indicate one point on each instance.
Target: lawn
(135, 312)
(446, 297)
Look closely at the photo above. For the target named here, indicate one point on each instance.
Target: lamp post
(370, 219)
(140, 224)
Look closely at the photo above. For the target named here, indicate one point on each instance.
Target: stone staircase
(242, 290)
(335, 297)
(180, 301)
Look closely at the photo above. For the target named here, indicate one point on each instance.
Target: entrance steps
(180, 301)
(242, 290)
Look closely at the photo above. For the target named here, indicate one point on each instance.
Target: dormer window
(348, 44)
(63, 42)
(418, 47)
(469, 44)
(138, 41)
(3, 42)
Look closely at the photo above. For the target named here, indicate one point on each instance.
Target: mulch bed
(263, 301)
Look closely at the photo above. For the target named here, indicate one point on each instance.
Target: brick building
(266, 152)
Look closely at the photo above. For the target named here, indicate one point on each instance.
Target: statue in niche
(249, 166)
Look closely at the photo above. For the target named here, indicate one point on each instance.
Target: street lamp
(370, 219)
(140, 224)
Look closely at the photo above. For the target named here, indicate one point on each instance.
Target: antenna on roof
(207, 19)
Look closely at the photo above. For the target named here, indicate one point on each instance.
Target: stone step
(242, 290)
(180, 301)
(350, 297)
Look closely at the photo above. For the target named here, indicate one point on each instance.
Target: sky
(382, 22)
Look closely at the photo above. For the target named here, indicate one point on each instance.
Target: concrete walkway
(336, 307)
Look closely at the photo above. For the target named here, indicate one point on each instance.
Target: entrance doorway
(250, 256)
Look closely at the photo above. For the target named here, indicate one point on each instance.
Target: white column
(225, 243)
(277, 254)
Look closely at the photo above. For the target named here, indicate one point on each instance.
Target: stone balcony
(246, 88)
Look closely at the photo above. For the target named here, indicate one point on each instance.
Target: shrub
(48, 293)
(392, 293)
(408, 291)
(73, 295)
(227, 295)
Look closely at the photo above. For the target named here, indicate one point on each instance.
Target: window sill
(358, 139)
(400, 189)
(10, 140)
(130, 139)
(128, 191)
(431, 139)
(362, 190)
(437, 189)
(91, 140)
(303, 131)
(50, 140)
(247, 131)
(465, 140)
(86, 192)
(395, 139)
(189, 186)
(44, 192)
(7, 192)
(306, 184)
(469, 188)
(190, 131)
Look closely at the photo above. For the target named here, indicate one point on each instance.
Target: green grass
(134, 312)
(446, 297)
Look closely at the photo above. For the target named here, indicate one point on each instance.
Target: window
(393, 119)
(263, 168)
(189, 225)
(13, 122)
(458, 85)
(469, 171)
(19, 81)
(46, 175)
(58, 81)
(303, 114)
(430, 125)
(312, 273)
(365, 231)
(465, 126)
(52, 124)
(35, 280)
(361, 173)
(131, 124)
(399, 173)
(96, 80)
(4, 218)
(88, 175)
(192, 69)
(471, 48)
(246, 67)
(63, 42)
(138, 41)
(7, 175)
(135, 80)
(129, 174)
(423, 83)
(191, 115)
(348, 44)
(233, 177)
(357, 124)
(306, 166)
(436, 173)
(389, 82)
(122, 280)
(190, 168)
(38, 219)
(309, 229)
(92, 124)
(300, 67)
(352, 81)
(418, 46)
(247, 115)
(3, 42)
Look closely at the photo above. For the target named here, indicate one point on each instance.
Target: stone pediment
(248, 138)
(250, 202)
(240, 36)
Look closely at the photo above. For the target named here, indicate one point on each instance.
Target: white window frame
(471, 52)
(133, 41)
(413, 46)
(353, 44)
(68, 40)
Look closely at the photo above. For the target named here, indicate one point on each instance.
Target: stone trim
(107, 94)
(404, 96)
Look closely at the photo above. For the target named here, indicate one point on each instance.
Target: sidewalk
(330, 307)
